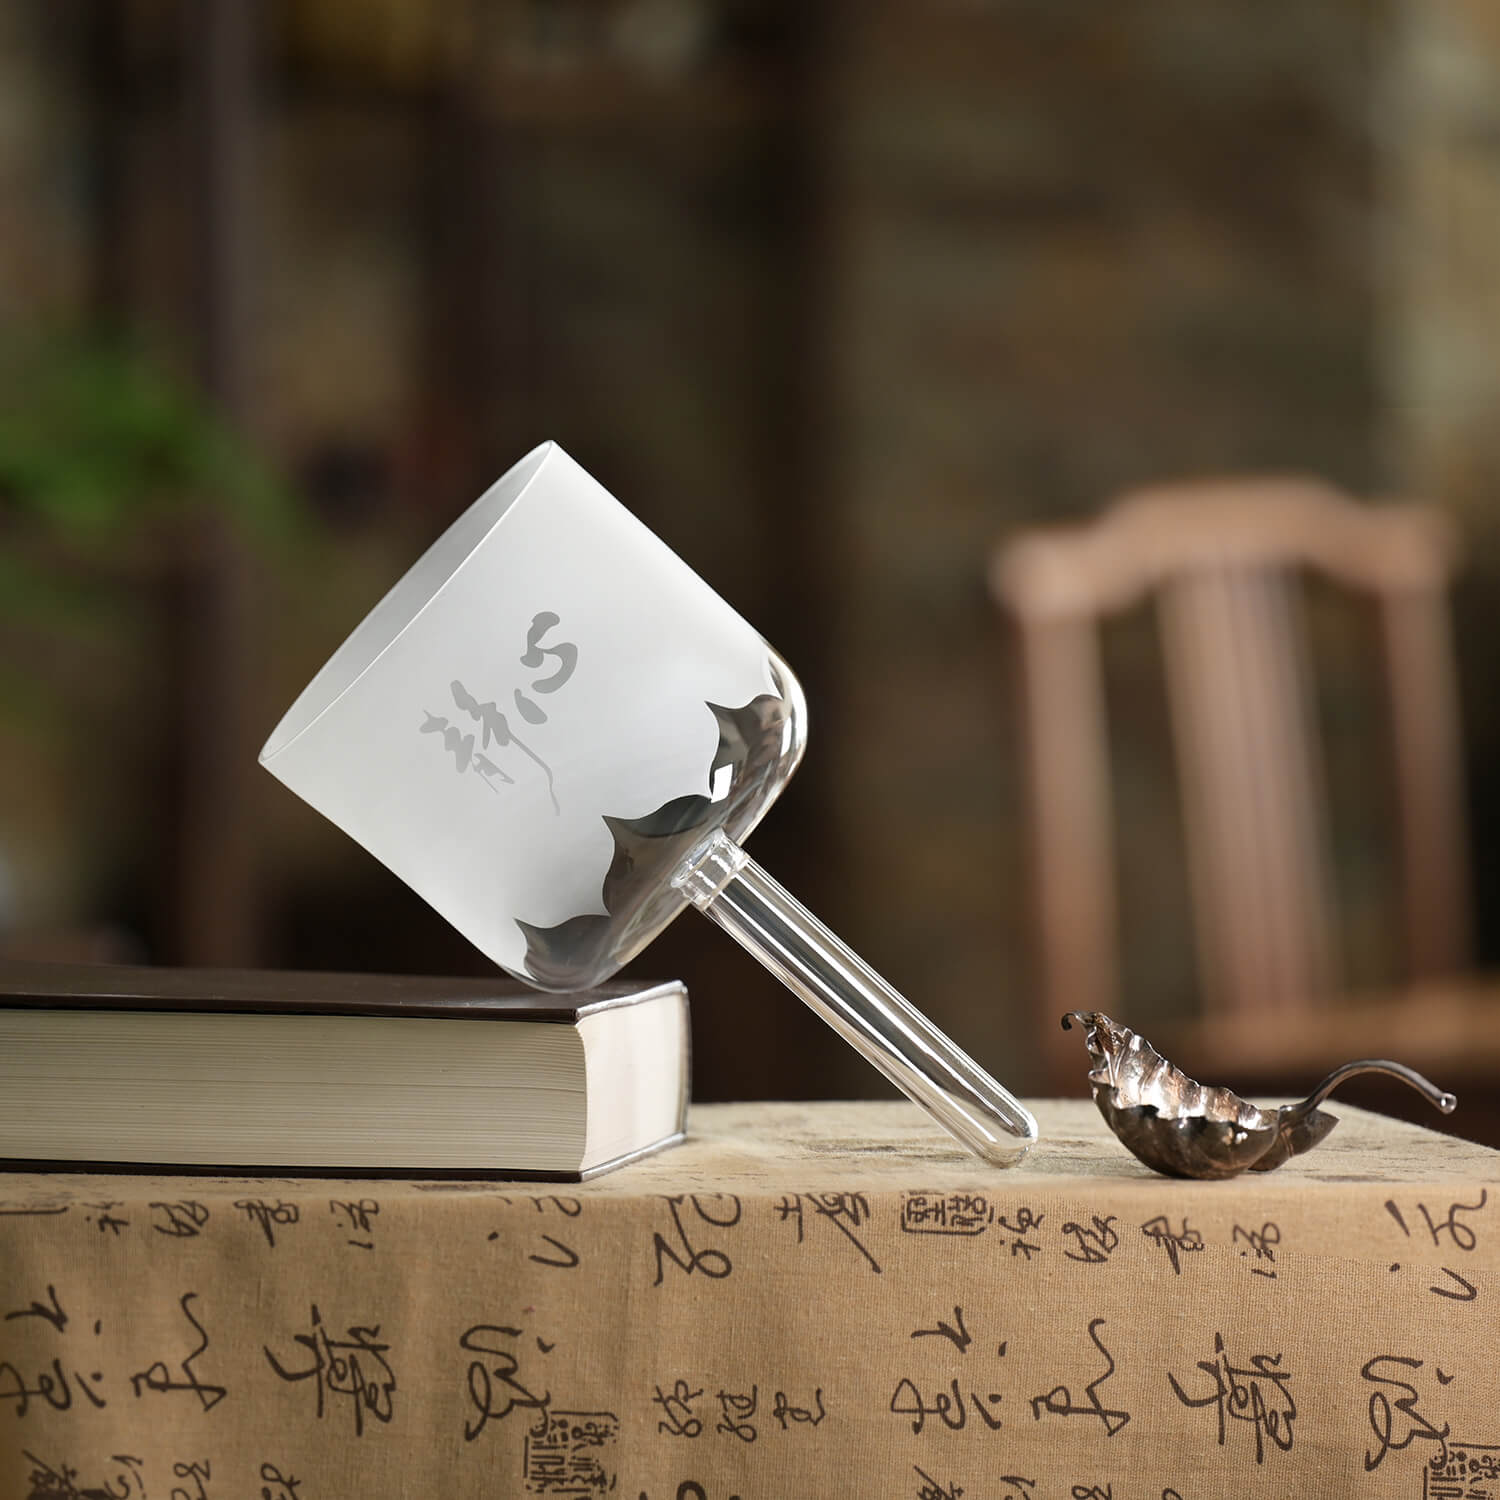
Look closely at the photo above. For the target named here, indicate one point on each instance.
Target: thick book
(825, 1300)
(337, 1073)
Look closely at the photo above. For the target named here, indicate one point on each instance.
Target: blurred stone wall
(44, 271)
(1440, 320)
(1083, 247)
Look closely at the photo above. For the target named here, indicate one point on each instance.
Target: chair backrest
(1221, 559)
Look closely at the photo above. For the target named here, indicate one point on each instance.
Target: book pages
(827, 1299)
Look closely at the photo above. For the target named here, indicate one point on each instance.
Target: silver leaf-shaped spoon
(1177, 1126)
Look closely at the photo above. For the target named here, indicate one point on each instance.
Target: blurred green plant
(105, 458)
(97, 441)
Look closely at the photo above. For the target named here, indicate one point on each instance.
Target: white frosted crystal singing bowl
(556, 733)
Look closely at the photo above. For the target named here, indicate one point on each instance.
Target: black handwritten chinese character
(494, 1390)
(677, 1408)
(1059, 1400)
(790, 1209)
(1256, 1394)
(1263, 1242)
(787, 1414)
(1397, 1424)
(845, 1211)
(358, 1214)
(1461, 1235)
(721, 1210)
(50, 1384)
(908, 1401)
(735, 1411)
(267, 1215)
(931, 1489)
(1095, 1242)
(59, 1483)
(955, 1333)
(107, 1222)
(354, 1366)
(158, 1377)
(182, 1220)
(1027, 1221)
(565, 1257)
(1183, 1242)
(1467, 1290)
(51, 1312)
(197, 1474)
(286, 1485)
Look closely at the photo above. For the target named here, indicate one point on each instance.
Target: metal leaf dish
(1177, 1126)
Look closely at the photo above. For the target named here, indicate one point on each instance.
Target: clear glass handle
(721, 880)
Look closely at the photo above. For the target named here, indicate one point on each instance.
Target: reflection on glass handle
(721, 880)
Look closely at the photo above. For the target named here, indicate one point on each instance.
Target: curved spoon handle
(1440, 1098)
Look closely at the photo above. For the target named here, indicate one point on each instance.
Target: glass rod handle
(722, 881)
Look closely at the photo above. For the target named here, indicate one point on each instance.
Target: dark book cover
(282, 992)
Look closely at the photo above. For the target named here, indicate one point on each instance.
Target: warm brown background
(832, 296)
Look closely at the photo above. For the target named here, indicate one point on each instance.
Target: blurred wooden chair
(1221, 561)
